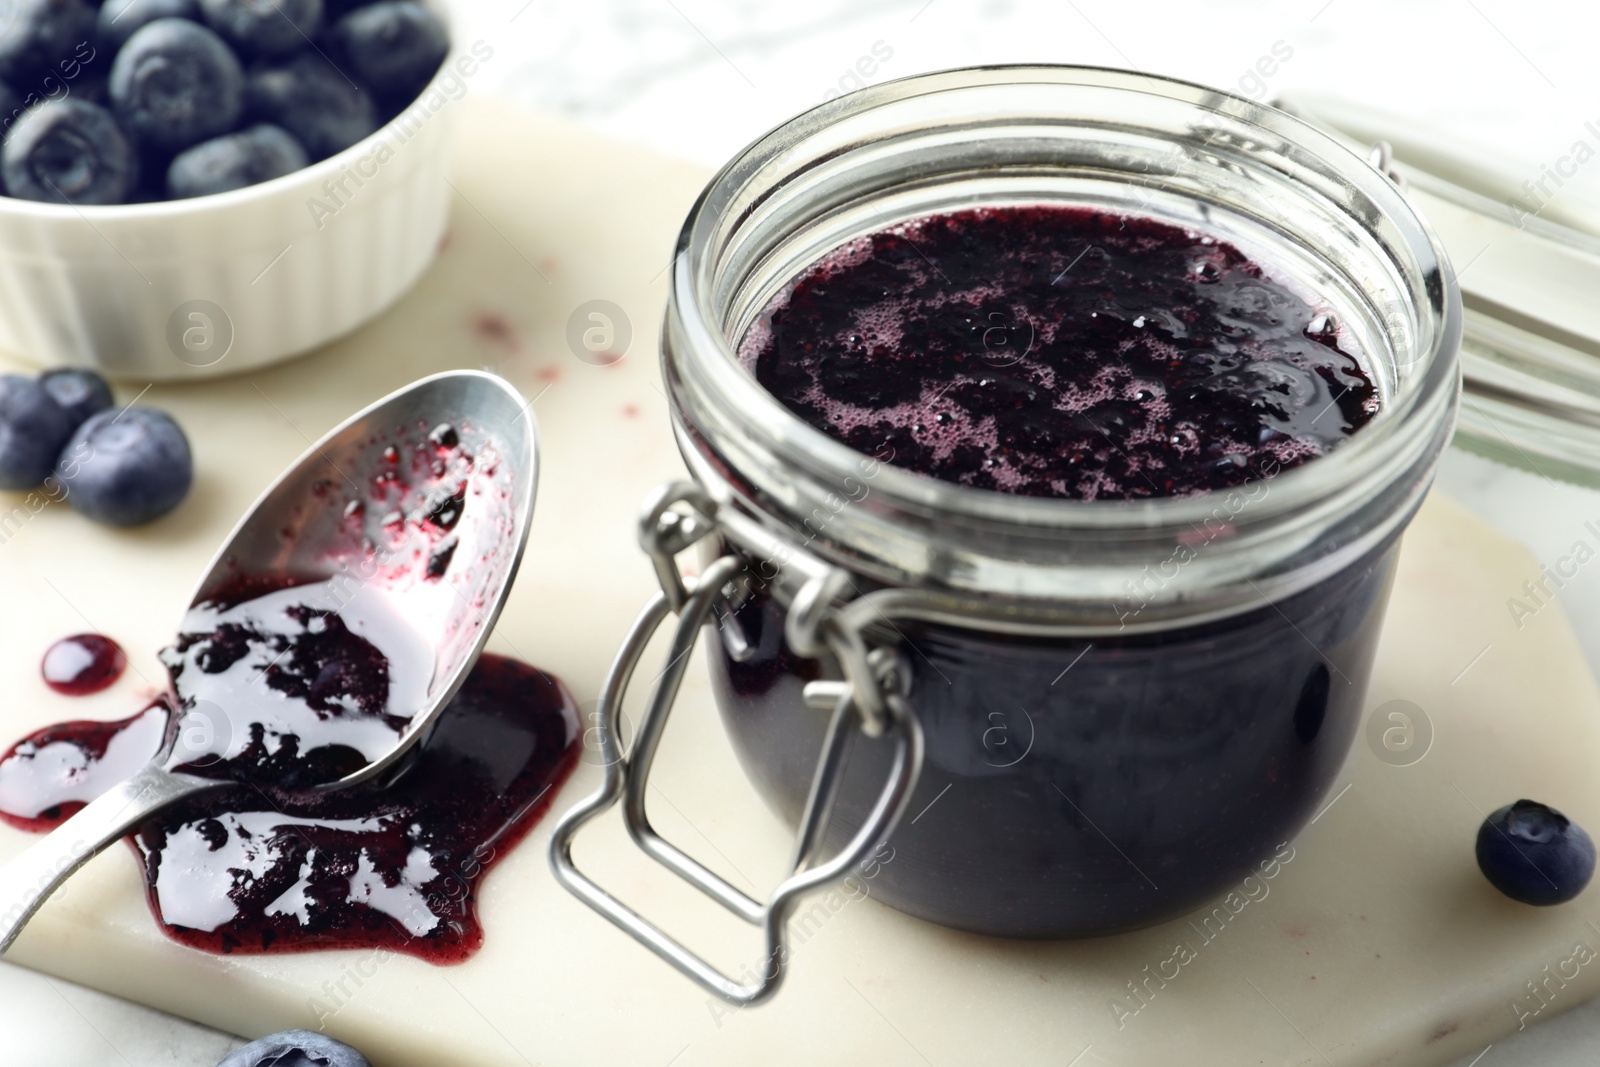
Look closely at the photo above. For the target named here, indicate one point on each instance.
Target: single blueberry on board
(265, 27)
(394, 47)
(37, 36)
(68, 152)
(80, 392)
(128, 467)
(295, 1048)
(234, 161)
(121, 19)
(1534, 854)
(308, 96)
(175, 84)
(33, 428)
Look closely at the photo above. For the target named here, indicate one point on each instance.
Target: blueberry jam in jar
(1088, 409)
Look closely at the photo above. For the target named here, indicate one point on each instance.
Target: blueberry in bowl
(80, 393)
(33, 429)
(175, 84)
(314, 101)
(265, 27)
(117, 224)
(121, 19)
(1534, 854)
(36, 35)
(394, 46)
(68, 152)
(173, 75)
(234, 161)
(127, 468)
(295, 1048)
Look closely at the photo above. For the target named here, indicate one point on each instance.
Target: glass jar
(1091, 716)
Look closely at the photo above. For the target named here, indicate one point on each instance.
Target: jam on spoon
(297, 686)
(324, 648)
(280, 686)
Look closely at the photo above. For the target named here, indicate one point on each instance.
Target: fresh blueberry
(32, 430)
(175, 84)
(37, 36)
(265, 27)
(121, 19)
(395, 46)
(234, 161)
(126, 468)
(80, 393)
(295, 1048)
(68, 152)
(308, 96)
(1535, 854)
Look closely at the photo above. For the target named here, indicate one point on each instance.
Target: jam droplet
(82, 664)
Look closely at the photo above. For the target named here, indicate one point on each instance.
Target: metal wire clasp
(871, 698)
(1381, 156)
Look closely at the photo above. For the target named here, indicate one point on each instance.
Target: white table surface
(700, 78)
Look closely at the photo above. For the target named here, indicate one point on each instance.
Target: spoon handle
(27, 881)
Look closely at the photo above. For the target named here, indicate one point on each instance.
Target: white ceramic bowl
(222, 284)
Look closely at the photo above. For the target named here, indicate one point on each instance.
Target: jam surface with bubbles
(1061, 352)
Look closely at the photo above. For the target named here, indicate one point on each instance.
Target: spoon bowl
(420, 504)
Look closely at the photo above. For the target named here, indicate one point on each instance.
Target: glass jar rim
(701, 362)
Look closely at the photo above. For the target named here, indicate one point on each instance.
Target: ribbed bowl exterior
(224, 284)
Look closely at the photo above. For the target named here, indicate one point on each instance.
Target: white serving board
(1378, 942)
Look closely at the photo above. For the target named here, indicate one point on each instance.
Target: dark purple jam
(309, 670)
(83, 664)
(258, 869)
(290, 682)
(47, 777)
(1063, 352)
(294, 684)
(1073, 788)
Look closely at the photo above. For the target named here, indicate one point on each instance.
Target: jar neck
(1122, 142)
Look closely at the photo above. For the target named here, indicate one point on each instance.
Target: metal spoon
(300, 528)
